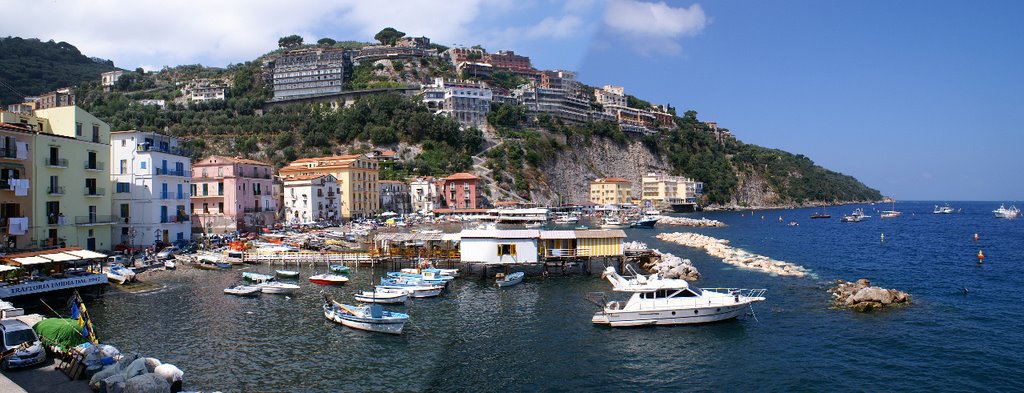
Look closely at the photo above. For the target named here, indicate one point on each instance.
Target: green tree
(388, 36)
(326, 42)
(289, 41)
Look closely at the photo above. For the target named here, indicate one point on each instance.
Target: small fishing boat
(415, 291)
(243, 290)
(509, 280)
(119, 271)
(426, 275)
(170, 264)
(613, 223)
(822, 214)
(328, 279)
(891, 213)
(793, 224)
(566, 219)
(382, 295)
(371, 318)
(1003, 212)
(250, 276)
(857, 216)
(942, 209)
(644, 222)
(339, 269)
(287, 273)
(207, 265)
(277, 287)
(442, 272)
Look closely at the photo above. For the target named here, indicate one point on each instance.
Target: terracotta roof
(391, 182)
(462, 176)
(229, 160)
(331, 158)
(611, 180)
(305, 177)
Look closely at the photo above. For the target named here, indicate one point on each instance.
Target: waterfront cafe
(433, 245)
(531, 246)
(42, 272)
(582, 243)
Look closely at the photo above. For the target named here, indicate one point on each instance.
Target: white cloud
(566, 26)
(181, 32)
(654, 27)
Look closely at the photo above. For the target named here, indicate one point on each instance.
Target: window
(220, 188)
(506, 249)
(220, 207)
(125, 211)
(143, 164)
(124, 166)
(123, 187)
(78, 129)
(206, 189)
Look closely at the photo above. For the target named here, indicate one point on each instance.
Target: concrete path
(44, 378)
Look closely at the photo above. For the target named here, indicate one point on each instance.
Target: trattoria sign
(56, 284)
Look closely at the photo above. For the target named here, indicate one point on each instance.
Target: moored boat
(277, 287)
(287, 273)
(942, 209)
(370, 318)
(509, 280)
(383, 295)
(857, 216)
(1003, 212)
(243, 290)
(646, 221)
(250, 276)
(339, 269)
(414, 291)
(328, 279)
(613, 223)
(659, 301)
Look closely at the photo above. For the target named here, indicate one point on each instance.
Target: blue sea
(963, 332)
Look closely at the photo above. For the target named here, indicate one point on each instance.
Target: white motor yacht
(1003, 212)
(942, 209)
(659, 301)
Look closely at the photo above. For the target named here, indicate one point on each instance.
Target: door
(90, 243)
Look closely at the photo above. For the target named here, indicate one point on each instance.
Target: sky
(923, 100)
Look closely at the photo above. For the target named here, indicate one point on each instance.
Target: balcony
(55, 190)
(95, 192)
(164, 149)
(94, 166)
(175, 219)
(171, 172)
(11, 153)
(96, 219)
(165, 195)
(566, 252)
(53, 242)
(54, 162)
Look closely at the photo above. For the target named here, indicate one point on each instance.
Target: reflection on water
(538, 335)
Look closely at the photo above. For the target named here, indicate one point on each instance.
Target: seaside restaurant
(582, 243)
(495, 246)
(38, 272)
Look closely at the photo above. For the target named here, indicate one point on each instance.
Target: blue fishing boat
(428, 276)
(371, 318)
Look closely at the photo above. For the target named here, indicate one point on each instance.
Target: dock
(308, 258)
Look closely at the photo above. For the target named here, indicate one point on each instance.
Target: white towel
(61, 220)
(20, 186)
(17, 225)
(22, 150)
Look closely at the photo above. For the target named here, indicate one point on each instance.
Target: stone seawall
(734, 256)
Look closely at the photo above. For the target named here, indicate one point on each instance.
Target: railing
(171, 172)
(52, 219)
(94, 166)
(165, 195)
(169, 150)
(52, 242)
(9, 153)
(53, 162)
(566, 252)
(95, 219)
(58, 190)
(174, 219)
(738, 291)
(95, 192)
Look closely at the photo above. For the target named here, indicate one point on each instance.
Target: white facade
(499, 246)
(467, 102)
(311, 199)
(151, 176)
(109, 78)
(610, 95)
(203, 90)
(423, 193)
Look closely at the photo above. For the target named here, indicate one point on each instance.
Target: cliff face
(569, 173)
(754, 190)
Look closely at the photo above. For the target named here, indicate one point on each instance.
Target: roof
(506, 203)
(600, 233)
(229, 160)
(462, 176)
(330, 158)
(558, 235)
(50, 256)
(500, 233)
(31, 260)
(87, 254)
(405, 236)
(305, 177)
(391, 182)
(5, 268)
(611, 180)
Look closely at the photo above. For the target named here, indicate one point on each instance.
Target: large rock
(147, 383)
(861, 296)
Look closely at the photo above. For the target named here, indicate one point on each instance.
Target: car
(166, 253)
(24, 344)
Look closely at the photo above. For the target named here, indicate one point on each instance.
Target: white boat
(857, 216)
(1003, 212)
(566, 219)
(416, 291)
(115, 278)
(170, 264)
(891, 213)
(382, 295)
(942, 210)
(243, 290)
(328, 279)
(660, 301)
(613, 223)
(507, 281)
(119, 274)
(277, 287)
(370, 318)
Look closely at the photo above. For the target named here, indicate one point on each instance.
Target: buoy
(883, 237)
(780, 218)
(980, 256)
(975, 236)
(762, 217)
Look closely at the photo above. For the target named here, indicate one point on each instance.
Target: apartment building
(394, 197)
(231, 193)
(109, 78)
(54, 99)
(669, 192)
(465, 101)
(203, 90)
(423, 194)
(461, 191)
(311, 199)
(611, 191)
(309, 72)
(357, 178)
(15, 184)
(151, 173)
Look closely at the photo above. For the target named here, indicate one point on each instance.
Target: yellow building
(611, 191)
(582, 243)
(70, 179)
(357, 177)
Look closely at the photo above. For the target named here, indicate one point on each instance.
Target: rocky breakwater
(861, 296)
(666, 265)
(734, 256)
(689, 222)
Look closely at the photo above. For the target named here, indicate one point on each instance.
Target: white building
(610, 95)
(465, 101)
(151, 176)
(499, 246)
(202, 90)
(110, 78)
(423, 193)
(311, 198)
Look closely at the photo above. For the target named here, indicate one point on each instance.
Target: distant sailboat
(891, 213)
(822, 214)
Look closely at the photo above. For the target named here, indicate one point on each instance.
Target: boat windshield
(18, 337)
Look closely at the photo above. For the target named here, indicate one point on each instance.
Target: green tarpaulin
(60, 332)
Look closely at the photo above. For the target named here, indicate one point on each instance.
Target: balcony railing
(162, 149)
(165, 195)
(52, 242)
(55, 190)
(566, 252)
(175, 219)
(9, 153)
(94, 166)
(171, 172)
(95, 192)
(54, 162)
(96, 219)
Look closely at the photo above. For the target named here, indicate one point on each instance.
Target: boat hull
(279, 290)
(381, 298)
(622, 318)
(382, 326)
(327, 281)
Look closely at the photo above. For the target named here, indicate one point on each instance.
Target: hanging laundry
(22, 150)
(17, 225)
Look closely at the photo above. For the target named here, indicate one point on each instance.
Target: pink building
(231, 194)
(460, 191)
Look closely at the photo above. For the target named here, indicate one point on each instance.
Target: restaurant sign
(28, 288)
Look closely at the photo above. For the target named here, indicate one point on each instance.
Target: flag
(85, 332)
(75, 312)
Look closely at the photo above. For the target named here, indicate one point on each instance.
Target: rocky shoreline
(862, 297)
(713, 208)
(690, 222)
(668, 266)
(734, 256)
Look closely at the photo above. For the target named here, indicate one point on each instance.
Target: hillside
(32, 67)
(520, 157)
